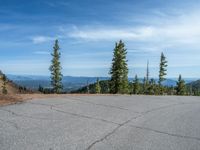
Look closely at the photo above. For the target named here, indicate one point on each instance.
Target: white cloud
(42, 39)
(42, 52)
(182, 29)
(112, 34)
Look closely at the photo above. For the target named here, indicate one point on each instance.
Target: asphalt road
(102, 123)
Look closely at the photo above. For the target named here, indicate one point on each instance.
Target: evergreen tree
(162, 72)
(119, 70)
(136, 85)
(147, 73)
(4, 89)
(152, 87)
(180, 89)
(55, 68)
(97, 87)
(144, 86)
(146, 82)
(41, 89)
(88, 87)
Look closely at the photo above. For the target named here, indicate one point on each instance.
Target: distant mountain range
(70, 83)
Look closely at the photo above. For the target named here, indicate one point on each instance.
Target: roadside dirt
(10, 99)
(18, 98)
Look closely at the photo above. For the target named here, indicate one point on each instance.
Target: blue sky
(87, 31)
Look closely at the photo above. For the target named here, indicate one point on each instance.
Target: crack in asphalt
(88, 102)
(107, 135)
(166, 133)
(74, 114)
(168, 106)
(141, 115)
(57, 110)
(52, 107)
(26, 116)
(11, 123)
(84, 116)
(41, 104)
(109, 106)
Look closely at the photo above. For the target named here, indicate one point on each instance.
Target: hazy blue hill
(70, 83)
(27, 77)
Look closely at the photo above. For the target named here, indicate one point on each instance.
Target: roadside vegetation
(118, 82)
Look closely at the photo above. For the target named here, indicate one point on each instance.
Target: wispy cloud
(41, 52)
(182, 29)
(42, 39)
(112, 34)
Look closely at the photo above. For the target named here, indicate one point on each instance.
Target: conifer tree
(4, 89)
(55, 68)
(41, 89)
(180, 89)
(144, 85)
(136, 85)
(88, 87)
(147, 73)
(146, 82)
(162, 72)
(152, 87)
(97, 87)
(119, 70)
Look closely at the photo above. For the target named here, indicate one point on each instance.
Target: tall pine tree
(147, 79)
(162, 72)
(119, 70)
(55, 68)
(180, 88)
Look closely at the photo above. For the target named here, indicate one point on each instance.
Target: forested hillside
(194, 87)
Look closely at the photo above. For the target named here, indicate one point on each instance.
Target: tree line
(119, 83)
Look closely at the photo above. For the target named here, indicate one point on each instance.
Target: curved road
(102, 123)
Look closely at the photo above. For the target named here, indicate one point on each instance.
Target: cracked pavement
(103, 122)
